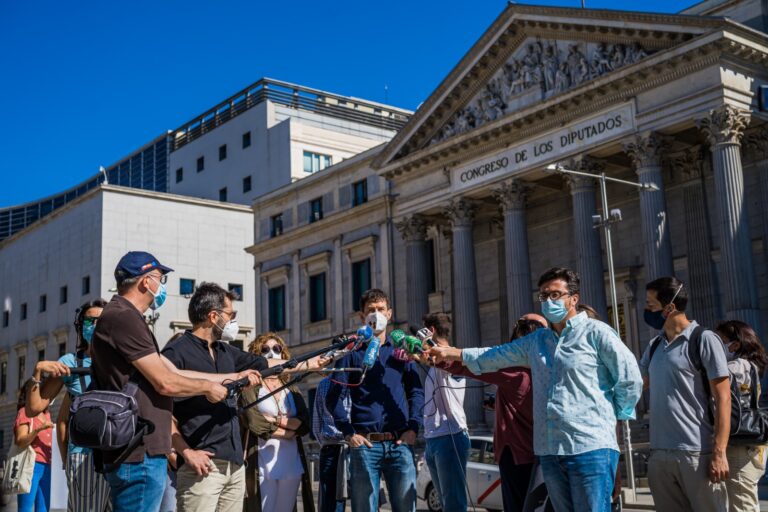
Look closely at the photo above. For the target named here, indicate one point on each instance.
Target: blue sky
(85, 83)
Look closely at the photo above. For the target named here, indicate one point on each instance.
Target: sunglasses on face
(277, 349)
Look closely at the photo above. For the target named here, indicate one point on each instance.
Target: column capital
(511, 195)
(646, 150)
(724, 125)
(461, 211)
(582, 164)
(413, 228)
(756, 142)
(688, 166)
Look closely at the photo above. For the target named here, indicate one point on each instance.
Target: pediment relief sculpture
(537, 71)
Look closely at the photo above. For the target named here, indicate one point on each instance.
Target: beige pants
(221, 490)
(679, 482)
(747, 465)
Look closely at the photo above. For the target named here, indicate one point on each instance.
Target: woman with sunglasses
(274, 452)
(747, 463)
(88, 491)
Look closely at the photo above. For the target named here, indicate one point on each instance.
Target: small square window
(86, 285)
(6, 318)
(63, 293)
(43, 303)
(24, 311)
(223, 194)
(276, 227)
(246, 139)
(186, 286)
(314, 162)
(246, 184)
(316, 210)
(200, 164)
(222, 152)
(237, 290)
(179, 174)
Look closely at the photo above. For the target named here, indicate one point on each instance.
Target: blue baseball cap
(137, 263)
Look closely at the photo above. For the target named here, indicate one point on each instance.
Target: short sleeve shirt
(679, 401)
(44, 440)
(122, 337)
(74, 387)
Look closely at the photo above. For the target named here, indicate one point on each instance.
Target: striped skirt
(88, 490)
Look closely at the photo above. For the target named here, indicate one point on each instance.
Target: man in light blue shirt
(584, 379)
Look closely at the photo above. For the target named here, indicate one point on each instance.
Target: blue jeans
(39, 495)
(582, 482)
(329, 461)
(138, 486)
(396, 463)
(446, 457)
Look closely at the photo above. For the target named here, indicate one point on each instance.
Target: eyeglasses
(162, 279)
(90, 320)
(277, 349)
(232, 314)
(555, 295)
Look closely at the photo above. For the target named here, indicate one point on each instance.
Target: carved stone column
(466, 315)
(414, 231)
(511, 195)
(589, 262)
(646, 152)
(757, 143)
(705, 305)
(724, 127)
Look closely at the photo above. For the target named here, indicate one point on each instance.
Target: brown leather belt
(377, 437)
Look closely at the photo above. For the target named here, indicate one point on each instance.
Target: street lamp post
(605, 221)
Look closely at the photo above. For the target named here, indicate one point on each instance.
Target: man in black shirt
(207, 435)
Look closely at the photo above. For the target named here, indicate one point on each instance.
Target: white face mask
(378, 322)
(230, 330)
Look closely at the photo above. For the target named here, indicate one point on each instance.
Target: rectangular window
(41, 355)
(3, 377)
(359, 192)
(277, 309)
(6, 318)
(43, 303)
(222, 152)
(62, 348)
(186, 286)
(223, 194)
(431, 271)
(246, 184)
(246, 140)
(314, 162)
(63, 292)
(179, 174)
(237, 290)
(200, 164)
(276, 227)
(317, 298)
(22, 371)
(86, 285)
(316, 209)
(361, 280)
(24, 311)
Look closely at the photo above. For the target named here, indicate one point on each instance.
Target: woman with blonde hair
(274, 452)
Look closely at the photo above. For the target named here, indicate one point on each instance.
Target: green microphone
(413, 345)
(398, 338)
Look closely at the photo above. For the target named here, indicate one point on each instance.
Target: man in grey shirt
(688, 466)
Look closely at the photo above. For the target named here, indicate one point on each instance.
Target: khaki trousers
(679, 482)
(222, 490)
(747, 465)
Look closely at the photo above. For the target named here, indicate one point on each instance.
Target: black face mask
(654, 318)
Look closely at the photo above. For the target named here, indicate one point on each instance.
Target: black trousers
(514, 481)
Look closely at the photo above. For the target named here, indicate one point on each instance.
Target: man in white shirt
(445, 424)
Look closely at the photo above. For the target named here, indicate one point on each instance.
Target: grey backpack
(108, 420)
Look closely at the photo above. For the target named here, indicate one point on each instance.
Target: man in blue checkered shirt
(332, 452)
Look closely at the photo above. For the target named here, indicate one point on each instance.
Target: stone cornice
(593, 96)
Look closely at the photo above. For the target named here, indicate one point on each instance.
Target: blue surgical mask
(655, 319)
(554, 310)
(160, 296)
(88, 332)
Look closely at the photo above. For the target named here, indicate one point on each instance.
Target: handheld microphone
(80, 370)
(413, 345)
(425, 335)
(398, 337)
(372, 352)
(364, 333)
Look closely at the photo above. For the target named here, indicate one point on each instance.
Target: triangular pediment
(533, 54)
